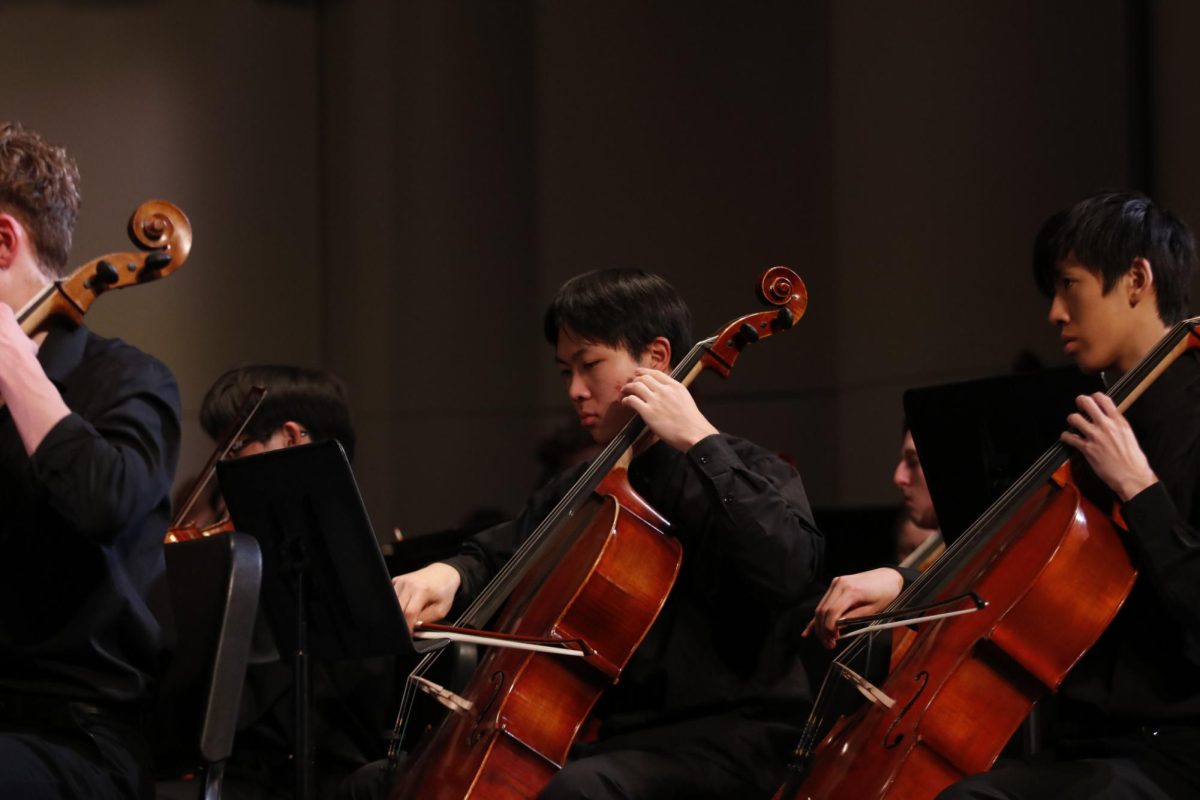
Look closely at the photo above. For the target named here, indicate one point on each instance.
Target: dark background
(393, 190)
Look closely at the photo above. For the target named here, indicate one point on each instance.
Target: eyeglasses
(235, 450)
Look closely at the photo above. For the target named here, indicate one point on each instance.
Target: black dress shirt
(82, 524)
(1146, 666)
(719, 666)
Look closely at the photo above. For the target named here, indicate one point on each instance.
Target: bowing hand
(849, 596)
(427, 594)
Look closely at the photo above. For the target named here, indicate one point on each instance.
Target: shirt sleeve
(760, 522)
(1168, 552)
(100, 474)
(485, 553)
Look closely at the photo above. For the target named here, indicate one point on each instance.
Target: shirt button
(727, 499)
(703, 459)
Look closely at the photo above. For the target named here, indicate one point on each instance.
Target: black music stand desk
(325, 590)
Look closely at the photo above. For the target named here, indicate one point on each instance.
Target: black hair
(626, 308)
(315, 399)
(1106, 232)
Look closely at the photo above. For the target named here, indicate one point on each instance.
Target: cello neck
(1179, 339)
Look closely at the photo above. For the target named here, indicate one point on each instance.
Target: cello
(183, 528)
(587, 584)
(1003, 616)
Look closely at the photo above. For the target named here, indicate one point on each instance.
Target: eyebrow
(574, 356)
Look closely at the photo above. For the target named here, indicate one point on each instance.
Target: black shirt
(719, 666)
(1146, 666)
(82, 524)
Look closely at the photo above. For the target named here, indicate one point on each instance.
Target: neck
(1142, 340)
(22, 282)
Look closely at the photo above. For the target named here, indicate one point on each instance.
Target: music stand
(975, 438)
(325, 589)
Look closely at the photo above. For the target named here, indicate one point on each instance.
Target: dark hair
(311, 397)
(39, 184)
(1106, 232)
(626, 308)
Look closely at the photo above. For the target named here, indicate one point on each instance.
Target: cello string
(513, 571)
(499, 587)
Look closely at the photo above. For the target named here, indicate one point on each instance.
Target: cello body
(616, 567)
(967, 682)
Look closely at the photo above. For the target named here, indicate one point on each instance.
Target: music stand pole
(302, 682)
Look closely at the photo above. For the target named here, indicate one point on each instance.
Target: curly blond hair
(39, 185)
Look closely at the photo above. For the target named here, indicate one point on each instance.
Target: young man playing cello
(1118, 270)
(89, 437)
(710, 701)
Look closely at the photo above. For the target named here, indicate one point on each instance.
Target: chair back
(213, 584)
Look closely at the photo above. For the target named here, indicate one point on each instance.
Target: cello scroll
(778, 286)
(159, 229)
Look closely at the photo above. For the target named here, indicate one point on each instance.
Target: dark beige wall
(697, 145)
(958, 127)
(1175, 65)
(433, 252)
(209, 105)
(393, 190)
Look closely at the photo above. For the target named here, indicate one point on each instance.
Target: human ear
(10, 237)
(657, 354)
(294, 433)
(1140, 279)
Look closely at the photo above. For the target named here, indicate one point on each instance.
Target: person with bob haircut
(89, 439)
(351, 699)
(710, 703)
(1117, 270)
(302, 405)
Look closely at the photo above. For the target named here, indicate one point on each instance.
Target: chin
(1085, 364)
(1089, 367)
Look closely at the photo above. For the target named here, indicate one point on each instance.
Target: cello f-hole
(497, 681)
(923, 677)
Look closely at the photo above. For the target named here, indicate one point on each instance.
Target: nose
(901, 477)
(1058, 311)
(576, 388)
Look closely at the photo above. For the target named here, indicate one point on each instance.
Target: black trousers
(662, 763)
(648, 775)
(62, 750)
(617, 775)
(700, 758)
(1154, 763)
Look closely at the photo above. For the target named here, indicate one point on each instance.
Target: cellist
(89, 438)
(710, 700)
(1117, 269)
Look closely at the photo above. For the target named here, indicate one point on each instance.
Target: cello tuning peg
(106, 274)
(784, 320)
(746, 334)
(157, 260)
